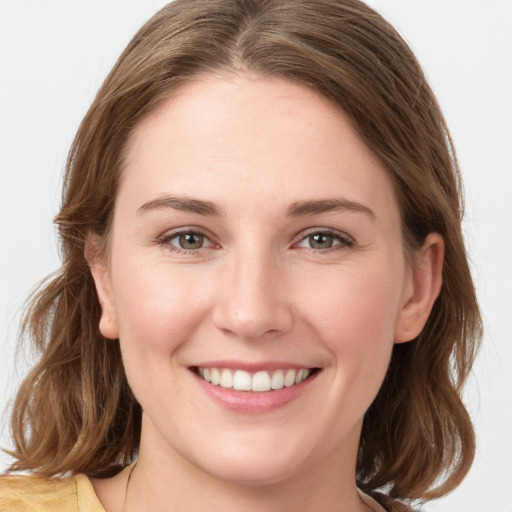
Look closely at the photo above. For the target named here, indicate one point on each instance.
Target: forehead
(269, 136)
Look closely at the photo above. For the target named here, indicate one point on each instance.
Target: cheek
(356, 300)
(158, 312)
(156, 309)
(356, 314)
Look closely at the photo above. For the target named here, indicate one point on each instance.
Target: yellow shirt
(21, 493)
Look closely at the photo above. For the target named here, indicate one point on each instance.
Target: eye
(324, 240)
(186, 240)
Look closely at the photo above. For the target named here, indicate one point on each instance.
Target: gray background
(54, 55)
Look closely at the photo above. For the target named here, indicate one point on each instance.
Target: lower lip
(253, 402)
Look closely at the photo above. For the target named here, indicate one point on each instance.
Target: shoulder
(31, 493)
(20, 493)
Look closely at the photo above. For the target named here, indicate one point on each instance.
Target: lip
(250, 402)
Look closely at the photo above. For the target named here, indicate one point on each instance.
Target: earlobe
(101, 276)
(423, 289)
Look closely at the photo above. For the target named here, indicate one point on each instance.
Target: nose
(252, 301)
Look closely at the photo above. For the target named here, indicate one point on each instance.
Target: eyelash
(166, 239)
(344, 241)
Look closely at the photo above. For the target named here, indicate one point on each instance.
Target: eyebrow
(183, 204)
(314, 207)
(296, 209)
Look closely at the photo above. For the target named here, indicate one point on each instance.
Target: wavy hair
(75, 411)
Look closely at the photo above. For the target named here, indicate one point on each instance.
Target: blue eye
(324, 240)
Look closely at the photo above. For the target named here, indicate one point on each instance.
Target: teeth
(259, 382)
(242, 381)
(277, 381)
(215, 376)
(301, 375)
(289, 378)
(226, 379)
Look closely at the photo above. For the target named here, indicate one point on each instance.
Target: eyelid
(344, 239)
(167, 236)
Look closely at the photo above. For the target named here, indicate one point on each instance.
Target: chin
(252, 465)
(253, 475)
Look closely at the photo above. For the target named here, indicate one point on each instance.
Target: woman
(264, 292)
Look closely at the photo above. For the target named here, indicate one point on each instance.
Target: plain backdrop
(54, 54)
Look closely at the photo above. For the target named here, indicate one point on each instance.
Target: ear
(422, 289)
(100, 273)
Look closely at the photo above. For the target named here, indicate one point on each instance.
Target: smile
(261, 381)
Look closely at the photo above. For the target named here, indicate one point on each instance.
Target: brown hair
(75, 411)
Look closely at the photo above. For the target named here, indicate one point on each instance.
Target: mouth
(259, 382)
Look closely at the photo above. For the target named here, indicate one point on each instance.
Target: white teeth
(289, 378)
(302, 374)
(215, 376)
(261, 381)
(242, 381)
(226, 379)
(277, 381)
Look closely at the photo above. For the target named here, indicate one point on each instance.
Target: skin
(256, 290)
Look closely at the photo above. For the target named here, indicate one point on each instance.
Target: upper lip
(252, 367)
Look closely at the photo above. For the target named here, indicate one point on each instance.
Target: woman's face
(255, 240)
